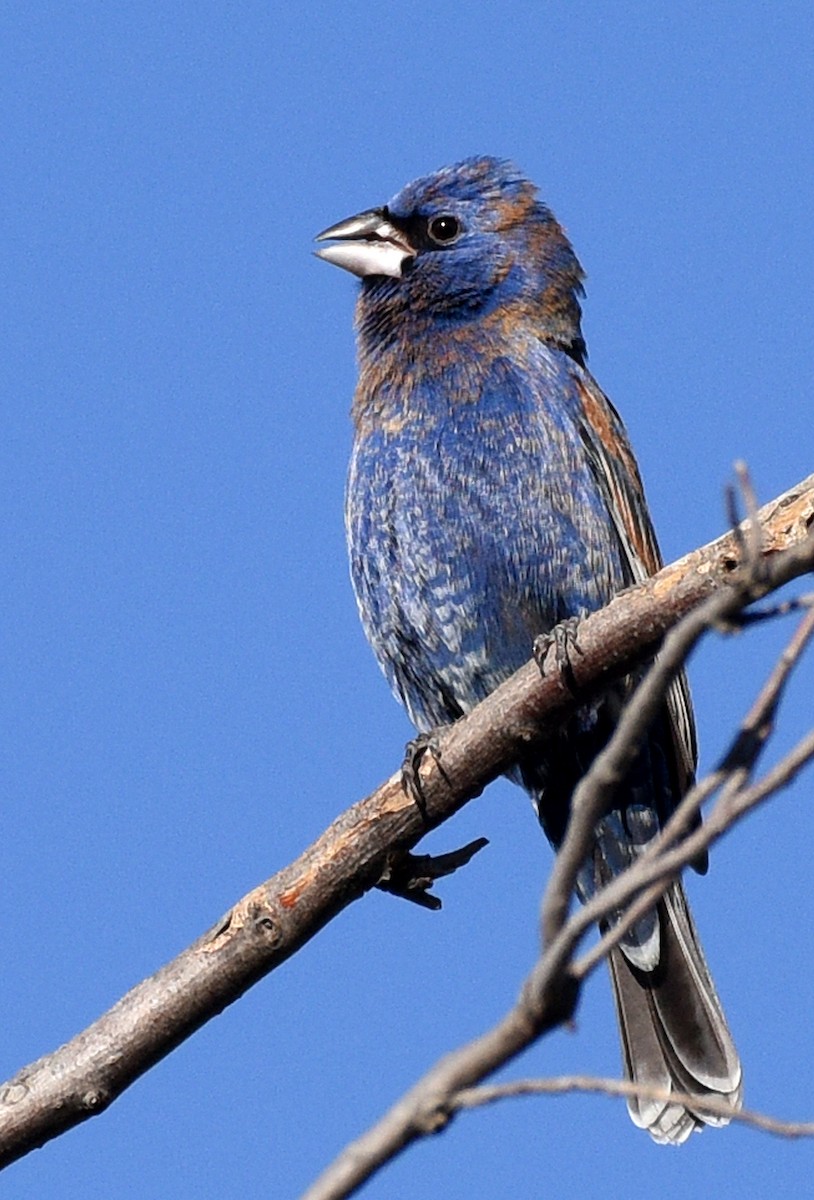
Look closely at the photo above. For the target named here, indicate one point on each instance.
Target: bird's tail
(674, 1032)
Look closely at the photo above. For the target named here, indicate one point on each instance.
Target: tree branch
(550, 992)
(274, 920)
(564, 1084)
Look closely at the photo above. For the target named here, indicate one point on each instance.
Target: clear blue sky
(186, 698)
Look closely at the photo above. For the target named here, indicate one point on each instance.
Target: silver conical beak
(367, 244)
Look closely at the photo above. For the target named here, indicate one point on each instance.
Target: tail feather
(674, 1033)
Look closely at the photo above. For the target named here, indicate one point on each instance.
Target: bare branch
(592, 796)
(549, 994)
(649, 877)
(594, 792)
(274, 920)
(730, 777)
(564, 1084)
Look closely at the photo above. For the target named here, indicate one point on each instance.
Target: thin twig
(647, 879)
(595, 791)
(730, 776)
(565, 1084)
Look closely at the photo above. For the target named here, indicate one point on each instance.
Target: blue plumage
(492, 494)
(473, 526)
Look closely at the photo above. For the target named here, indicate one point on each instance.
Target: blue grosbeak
(493, 494)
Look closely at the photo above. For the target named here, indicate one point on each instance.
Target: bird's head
(469, 240)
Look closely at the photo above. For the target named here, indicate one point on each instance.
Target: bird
(493, 496)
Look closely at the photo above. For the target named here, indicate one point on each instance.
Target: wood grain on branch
(274, 920)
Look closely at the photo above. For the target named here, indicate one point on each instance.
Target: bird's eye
(444, 229)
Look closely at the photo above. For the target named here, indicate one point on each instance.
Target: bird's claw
(564, 637)
(410, 876)
(414, 751)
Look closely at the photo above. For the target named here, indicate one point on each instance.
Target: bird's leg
(414, 751)
(564, 637)
(410, 876)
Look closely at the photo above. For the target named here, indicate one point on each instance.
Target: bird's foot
(410, 876)
(564, 637)
(414, 751)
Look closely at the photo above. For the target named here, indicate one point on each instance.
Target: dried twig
(564, 1084)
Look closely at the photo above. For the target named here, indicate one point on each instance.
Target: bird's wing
(617, 474)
